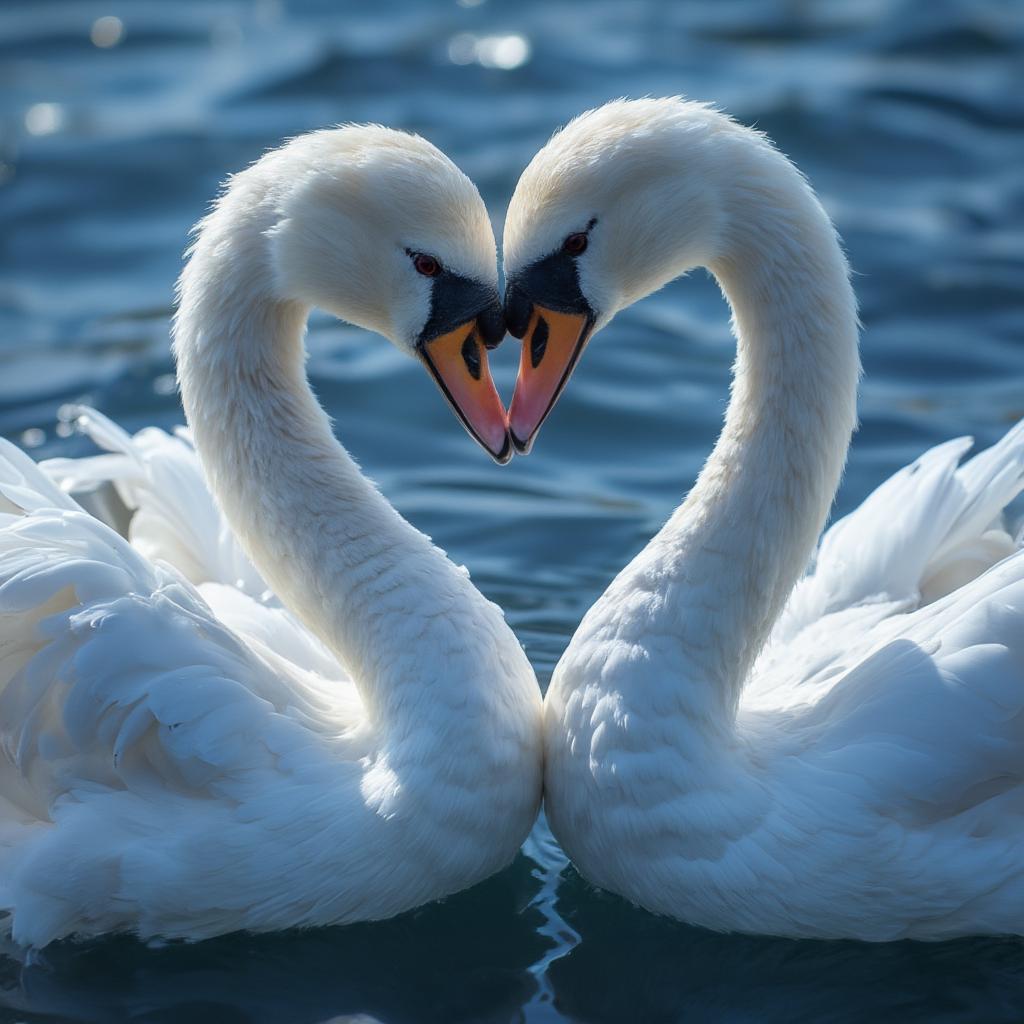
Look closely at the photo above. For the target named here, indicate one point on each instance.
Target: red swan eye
(575, 244)
(428, 266)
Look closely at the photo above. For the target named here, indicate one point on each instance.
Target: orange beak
(552, 344)
(458, 363)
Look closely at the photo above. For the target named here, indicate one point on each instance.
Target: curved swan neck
(730, 555)
(326, 541)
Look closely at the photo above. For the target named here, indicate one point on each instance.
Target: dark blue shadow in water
(632, 966)
(466, 959)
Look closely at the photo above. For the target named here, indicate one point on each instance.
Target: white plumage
(185, 753)
(840, 755)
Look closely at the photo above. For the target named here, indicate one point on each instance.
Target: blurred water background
(118, 120)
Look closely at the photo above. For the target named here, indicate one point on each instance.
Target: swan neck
(736, 547)
(324, 539)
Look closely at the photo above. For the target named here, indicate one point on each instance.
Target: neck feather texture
(719, 572)
(327, 542)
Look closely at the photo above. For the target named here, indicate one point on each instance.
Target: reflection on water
(118, 120)
(476, 957)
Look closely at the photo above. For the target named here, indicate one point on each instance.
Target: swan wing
(928, 726)
(898, 789)
(926, 530)
(272, 628)
(159, 485)
(115, 674)
(925, 533)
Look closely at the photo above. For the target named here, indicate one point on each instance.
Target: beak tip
(504, 456)
(522, 447)
(524, 423)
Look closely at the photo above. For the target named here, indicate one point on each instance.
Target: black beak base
(490, 325)
(552, 282)
(518, 309)
(454, 300)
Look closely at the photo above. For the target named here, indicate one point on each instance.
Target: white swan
(842, 759)
(182, 763)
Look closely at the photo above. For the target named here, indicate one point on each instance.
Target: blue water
(908, 118)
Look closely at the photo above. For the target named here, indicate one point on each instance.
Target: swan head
(618, 203)
(381, 229)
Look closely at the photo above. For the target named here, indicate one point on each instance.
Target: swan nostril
(538, 342)
(471, 356)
